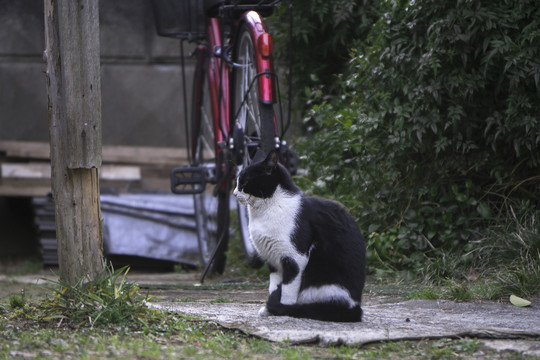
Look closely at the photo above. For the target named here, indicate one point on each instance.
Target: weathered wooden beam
(74, 108)
(78, 37)
(110, 153)
(43, 171)
(24, 187)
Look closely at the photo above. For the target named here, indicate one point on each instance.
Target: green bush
(324, 32)
(436, 129)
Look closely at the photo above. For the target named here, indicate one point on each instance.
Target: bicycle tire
(211, 207)
(256, 119)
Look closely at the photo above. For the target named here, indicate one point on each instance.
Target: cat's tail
(332, 311)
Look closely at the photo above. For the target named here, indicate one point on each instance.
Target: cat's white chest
(271, 225)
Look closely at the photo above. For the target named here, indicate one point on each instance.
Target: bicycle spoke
(208, 144)
(254, 114)
(249, 115)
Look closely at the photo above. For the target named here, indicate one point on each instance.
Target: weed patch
(108, 300)
(505, 261)
(18, 300)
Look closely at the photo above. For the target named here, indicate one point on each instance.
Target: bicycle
(235, 93)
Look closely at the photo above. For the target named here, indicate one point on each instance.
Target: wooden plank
(25, 171)
(25, 149)
(25, 187)
(110, 153)
(42, 187)
(154, 164)
(144, 155)
(115, 172)
(43, 171)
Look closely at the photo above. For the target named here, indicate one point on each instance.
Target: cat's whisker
(251, 201)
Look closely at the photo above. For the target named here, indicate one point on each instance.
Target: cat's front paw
(264, 311)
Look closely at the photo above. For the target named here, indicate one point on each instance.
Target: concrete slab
(414, 319)
(524, 347)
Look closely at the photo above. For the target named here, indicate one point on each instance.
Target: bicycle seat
(264, 7)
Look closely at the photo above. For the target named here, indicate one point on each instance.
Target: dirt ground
(171, 287)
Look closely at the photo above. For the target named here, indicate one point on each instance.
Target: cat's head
(262, 178)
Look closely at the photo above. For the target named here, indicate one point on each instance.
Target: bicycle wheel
(212, 205)
(256, 119)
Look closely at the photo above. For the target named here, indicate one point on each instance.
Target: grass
(208, 341)
(458, 290)
(108, 318)
(54, 325)
(18, 300)
(221, 300)
(504, 260)
(28, 329)
(18, 267)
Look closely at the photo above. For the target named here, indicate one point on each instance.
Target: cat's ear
(259, 157)
(271, 161)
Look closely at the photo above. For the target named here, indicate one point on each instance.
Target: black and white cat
(313, 246)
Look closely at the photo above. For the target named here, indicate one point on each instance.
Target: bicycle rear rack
(189, 180)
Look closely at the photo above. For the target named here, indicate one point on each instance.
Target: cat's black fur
(317, 258)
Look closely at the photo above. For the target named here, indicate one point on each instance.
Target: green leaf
(484, 210)
(517, 301)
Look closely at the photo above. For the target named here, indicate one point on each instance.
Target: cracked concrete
(414, 319)
(499, 325)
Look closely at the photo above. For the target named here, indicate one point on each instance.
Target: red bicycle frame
(263, 55)
(233, 111)
(219, 83)
(219, 75)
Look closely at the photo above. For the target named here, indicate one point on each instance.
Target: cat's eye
(241, 183)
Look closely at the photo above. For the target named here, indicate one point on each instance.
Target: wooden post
(74, 89)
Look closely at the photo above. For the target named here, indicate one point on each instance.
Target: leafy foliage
(323, 34)
(436, 129)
